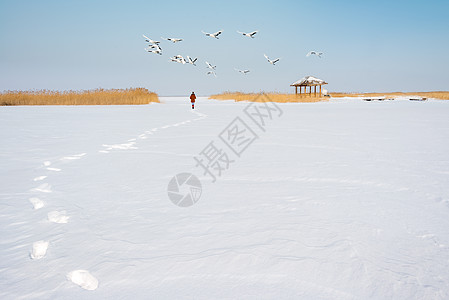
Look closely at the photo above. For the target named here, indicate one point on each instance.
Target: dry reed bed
(89, 97)
(275, 97)
(443, 95)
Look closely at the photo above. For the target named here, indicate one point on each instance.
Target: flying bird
(271, 61)
(242, 71)
(212, 73)
(315, 53)
(210, 66)
(250, 34)
(179, 59)
(214, 35)
(171, 39)
(154, 50)
(147, 39)
(191, 61)
(154, 47)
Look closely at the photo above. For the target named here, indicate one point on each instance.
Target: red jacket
(192, 98)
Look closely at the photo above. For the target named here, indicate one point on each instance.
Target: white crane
(154, 47)
(179, 59)
(271, 61)
(171, 39)
(147, 39)
(210, 66)
(191, 61)
(212, 73)
(154, 50)
(315, 53)
(242, 71)
(249, 34)
(213, 35)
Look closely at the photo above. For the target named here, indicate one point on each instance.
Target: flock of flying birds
(154, 47)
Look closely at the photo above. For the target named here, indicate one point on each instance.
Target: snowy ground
(340, 200)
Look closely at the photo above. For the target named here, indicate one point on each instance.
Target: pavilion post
(296, 90)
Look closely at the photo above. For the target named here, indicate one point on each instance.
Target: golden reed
(275, 97)
(89, 97)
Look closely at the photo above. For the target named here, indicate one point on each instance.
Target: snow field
(339, 200)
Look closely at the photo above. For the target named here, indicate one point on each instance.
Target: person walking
(192, 99)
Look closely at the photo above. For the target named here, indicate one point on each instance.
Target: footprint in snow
(44, 188)
(54, 169)
(37, 203)
(39, 249)
(58, 217)
(70, 157)
(84, 279)
(73, 157)
(124, 146)
(39, 178)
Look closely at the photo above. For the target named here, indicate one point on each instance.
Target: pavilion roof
(308, 81)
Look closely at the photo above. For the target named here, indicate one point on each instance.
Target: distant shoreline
(141, 96)
(307, 98)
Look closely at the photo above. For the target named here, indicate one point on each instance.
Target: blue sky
(368, 45)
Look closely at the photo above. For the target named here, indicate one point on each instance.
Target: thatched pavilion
(308, 81)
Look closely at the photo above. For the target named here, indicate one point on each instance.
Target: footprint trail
(39, 248)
